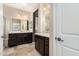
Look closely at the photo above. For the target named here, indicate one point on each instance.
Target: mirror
(16, 25)
(21, 25)
(42, 18)
(45, 18)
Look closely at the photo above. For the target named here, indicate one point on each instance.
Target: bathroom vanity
(19, 38)
(42, 44)
(21, 32)
(42, 29)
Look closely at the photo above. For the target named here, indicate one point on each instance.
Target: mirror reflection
(21, 25)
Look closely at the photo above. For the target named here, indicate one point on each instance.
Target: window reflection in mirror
(21, 25)
(16, 25)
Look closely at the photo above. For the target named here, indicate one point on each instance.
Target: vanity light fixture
(21, 17)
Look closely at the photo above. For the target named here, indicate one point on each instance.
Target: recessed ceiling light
(44, 8)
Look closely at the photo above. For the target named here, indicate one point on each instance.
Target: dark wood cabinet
(19, 38)
(47, 47)
(37, 43)
(42, 45)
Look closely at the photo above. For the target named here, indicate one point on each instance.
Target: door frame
(2, 29)
(54, 25)
(52, 44)
(54, 28)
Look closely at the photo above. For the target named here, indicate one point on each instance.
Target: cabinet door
(42, 46)
(29, 36)
(47, 47)
(12, 40)
(37, 43)
(19, 40)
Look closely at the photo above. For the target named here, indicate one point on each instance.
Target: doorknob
(58, 38)
(2, 36)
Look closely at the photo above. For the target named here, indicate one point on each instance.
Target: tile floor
(21, 50)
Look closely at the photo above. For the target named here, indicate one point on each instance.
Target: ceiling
(23, 6)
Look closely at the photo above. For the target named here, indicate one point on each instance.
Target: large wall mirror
(21, 25)
(46, 9)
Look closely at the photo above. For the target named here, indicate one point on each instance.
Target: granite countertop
(42, 34)
(20, 32)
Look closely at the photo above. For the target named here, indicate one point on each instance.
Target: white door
(67, 29)
(1, 28)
